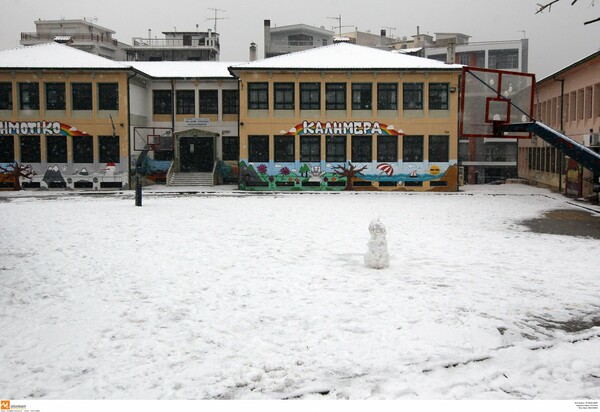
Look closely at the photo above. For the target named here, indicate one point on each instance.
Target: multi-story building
(297, 37)
(176, 46)
(80, 34)
(568, 101)
(65, 113)
(312, 120)
(81, 120)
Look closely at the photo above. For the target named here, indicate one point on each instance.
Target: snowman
(377, 256)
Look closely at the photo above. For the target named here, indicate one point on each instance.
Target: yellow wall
(423, 122)
(94, 122)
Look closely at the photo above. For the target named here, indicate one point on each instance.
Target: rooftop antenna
(339, 26)
(389, 30)
(216, 18)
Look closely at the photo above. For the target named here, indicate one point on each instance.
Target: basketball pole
(138, 172)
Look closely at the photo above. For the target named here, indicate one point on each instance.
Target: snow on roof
(185, 69)
(54, 56)
(346, 56)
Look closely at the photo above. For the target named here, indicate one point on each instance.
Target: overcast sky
(557, 38)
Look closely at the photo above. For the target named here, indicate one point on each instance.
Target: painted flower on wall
(262, 169)
(285, 171)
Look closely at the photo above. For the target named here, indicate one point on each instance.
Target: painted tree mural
(349, 173)
(16, 171)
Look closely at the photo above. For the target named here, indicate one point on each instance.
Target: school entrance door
(196, 154)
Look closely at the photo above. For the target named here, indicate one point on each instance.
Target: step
(191, 179)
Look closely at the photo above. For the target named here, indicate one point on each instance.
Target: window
(185, 102)
(7, 149)
(310, 148)
(231, 101)
(109, 149)
(412, 149)
(412, 96)
(335, 96)
(438, 96)
(475, 58)
(284, 96)
(439, 148)
(503, 59)
(310, 96)
(284, 149)
(300, 40)
(258, 96)
(6, 96)
(362, 149)
(162, 102)
(83, 149)
(209, 101)
(108, 96)
(387, 149)
(387, 96)
(29, 96)
(30, 149)
(81, 95)
(231, 148)
(361, 96)
(258, 148)
(55, 96)
(56, 149)
(335, 148)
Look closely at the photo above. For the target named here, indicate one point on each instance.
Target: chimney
(267, 37)
(253, 52)
(383, 36)
(451, 53)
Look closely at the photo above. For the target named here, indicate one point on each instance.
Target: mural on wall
(62, 175)
(344, 175)
(12, 173)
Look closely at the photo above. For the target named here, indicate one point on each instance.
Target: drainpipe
(129, 127)
(562, 130)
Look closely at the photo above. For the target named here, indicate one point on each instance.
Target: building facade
(80, 34)
(193, 107)
(568, 101)
(65, 113)
(176, 46)
(293, 38)
(347, 116)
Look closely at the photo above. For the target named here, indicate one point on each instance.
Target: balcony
(198, 43)
(77, 38)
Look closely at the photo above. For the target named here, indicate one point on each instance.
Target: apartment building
(568, 101)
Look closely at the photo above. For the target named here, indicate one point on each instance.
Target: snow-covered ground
(267, 297)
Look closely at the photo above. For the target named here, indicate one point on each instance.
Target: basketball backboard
(158, 138)
(493, 97)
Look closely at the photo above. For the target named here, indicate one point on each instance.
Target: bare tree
(17, 171)
(349, 173)
(548, 6)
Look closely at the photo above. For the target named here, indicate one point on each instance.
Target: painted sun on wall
(324, 175)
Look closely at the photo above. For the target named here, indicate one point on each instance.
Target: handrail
(170, 173)
(214, 173)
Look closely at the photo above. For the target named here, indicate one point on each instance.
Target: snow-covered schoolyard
(226, 296)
